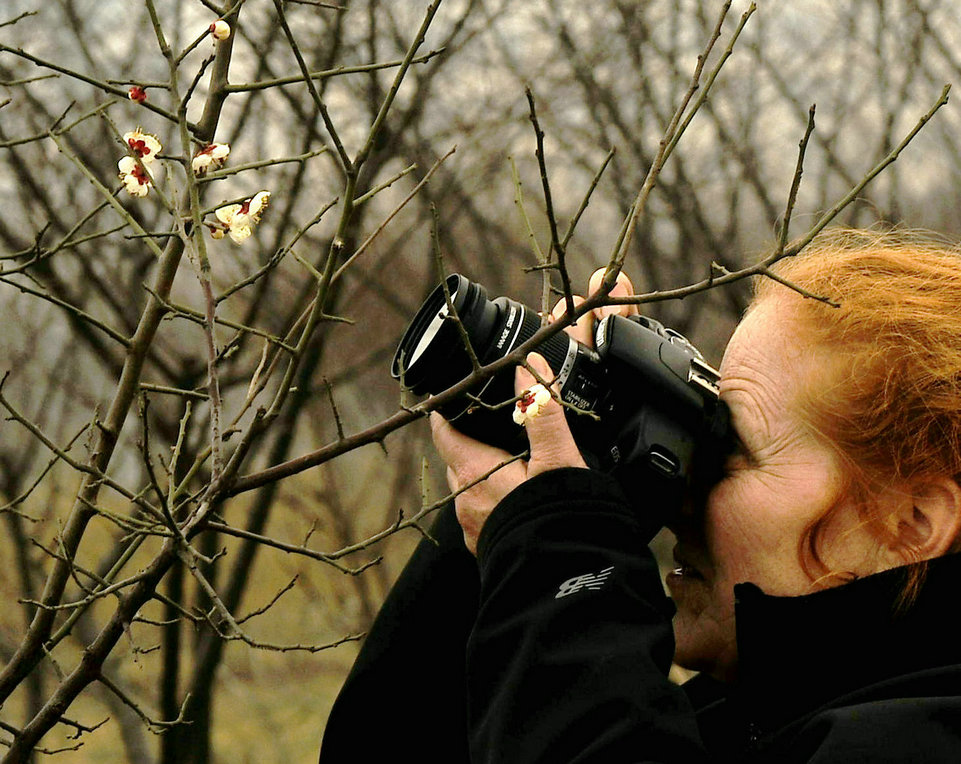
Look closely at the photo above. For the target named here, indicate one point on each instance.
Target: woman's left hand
(468, 460)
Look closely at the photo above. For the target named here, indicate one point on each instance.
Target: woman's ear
(927, 521)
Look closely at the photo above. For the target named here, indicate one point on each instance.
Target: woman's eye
(733, 462)
(739, 456)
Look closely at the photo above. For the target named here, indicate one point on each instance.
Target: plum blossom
(144, 148)
(137, 93)
(144, 145)
(238, 219)
(530, 404)
(135, 178)
(220, 29)
(212, 155)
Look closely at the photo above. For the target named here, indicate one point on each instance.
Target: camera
(642, 404)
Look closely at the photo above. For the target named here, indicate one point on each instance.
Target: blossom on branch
(212, 155)
(220, 29)
(238, 219)
(134, 176)
(530, 404)
(137, 93)
(144, 145)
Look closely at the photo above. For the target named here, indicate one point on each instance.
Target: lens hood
(431, 356)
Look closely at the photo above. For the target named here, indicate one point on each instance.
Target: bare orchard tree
(183, 258)
(218, 217)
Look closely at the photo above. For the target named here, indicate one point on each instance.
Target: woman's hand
(475, 464)
(469, 460)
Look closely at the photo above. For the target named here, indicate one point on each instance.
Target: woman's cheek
(738, 524)
(727, 499)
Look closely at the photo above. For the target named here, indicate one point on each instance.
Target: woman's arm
(404, 698)
(568, 659)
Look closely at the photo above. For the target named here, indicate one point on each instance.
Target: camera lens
(432, 357)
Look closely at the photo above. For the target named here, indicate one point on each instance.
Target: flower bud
(137, 93)
(220, 29)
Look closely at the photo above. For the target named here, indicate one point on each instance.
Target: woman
(815, 587)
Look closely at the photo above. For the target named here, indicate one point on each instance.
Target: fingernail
(536, 360)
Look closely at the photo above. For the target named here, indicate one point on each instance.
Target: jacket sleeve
(568, 658)
(404, 698)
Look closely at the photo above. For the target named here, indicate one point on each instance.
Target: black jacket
(567, 658)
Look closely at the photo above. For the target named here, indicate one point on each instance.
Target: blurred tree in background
(207, 479)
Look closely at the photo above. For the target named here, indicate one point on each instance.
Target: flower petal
(239, 233)
(144, 145)
(153, 144)
(258, 203)
(541, 394)
(134, 187)
(227, 214)
(200, 163)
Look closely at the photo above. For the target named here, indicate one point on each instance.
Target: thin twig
(322, 75)
(367, 242)
(452, 314)
(795, 183)
(100, 85)
(345, 162)
(557, 246)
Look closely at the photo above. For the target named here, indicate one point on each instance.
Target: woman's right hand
(551, 442)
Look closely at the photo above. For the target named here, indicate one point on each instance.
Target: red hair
(893, 356)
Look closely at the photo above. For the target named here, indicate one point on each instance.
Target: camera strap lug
(704, 377)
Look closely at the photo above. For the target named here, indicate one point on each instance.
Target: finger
(551, 441)
(466, 457)
(479, 476)
(448, 441)
(581, 330)
(623, 287)
(524, 379)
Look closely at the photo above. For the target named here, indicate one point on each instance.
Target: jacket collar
(796, 654)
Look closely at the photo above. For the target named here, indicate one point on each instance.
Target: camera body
(642, 404)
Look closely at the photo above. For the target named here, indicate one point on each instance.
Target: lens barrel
(432, 357)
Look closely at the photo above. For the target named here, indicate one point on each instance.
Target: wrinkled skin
(782, 478)
(754, 523)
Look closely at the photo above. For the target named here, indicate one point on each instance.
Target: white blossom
(530, 404)
(240, 218)
(135, 178)
(212, 155)
(144, 145)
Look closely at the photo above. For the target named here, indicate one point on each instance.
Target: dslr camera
(642, 404)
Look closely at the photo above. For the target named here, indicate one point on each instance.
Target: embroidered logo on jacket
(586, 581)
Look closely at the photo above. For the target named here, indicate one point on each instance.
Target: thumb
(550, 438)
